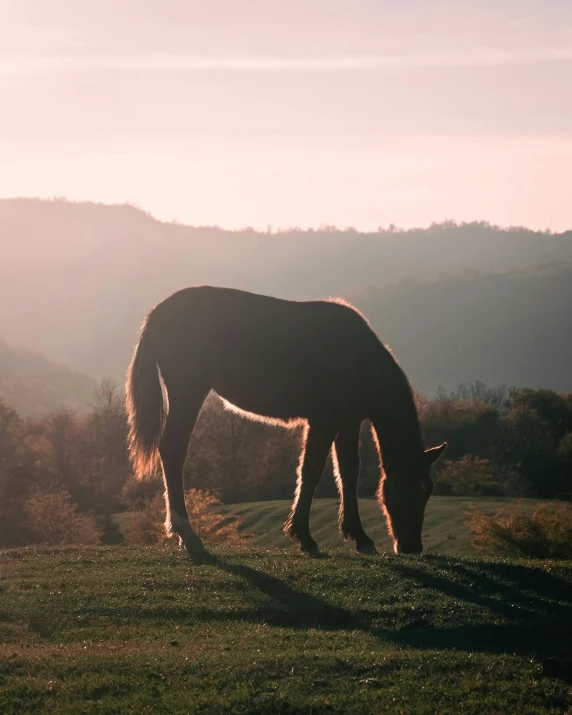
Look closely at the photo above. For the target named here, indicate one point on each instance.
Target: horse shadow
(529, 610)
(286, 606)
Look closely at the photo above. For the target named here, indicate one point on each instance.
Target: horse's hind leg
(319, 440)
(184, 408)
(347, 453)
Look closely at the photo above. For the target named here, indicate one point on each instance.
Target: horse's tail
(145, 407)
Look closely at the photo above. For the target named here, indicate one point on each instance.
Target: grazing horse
(318, 362)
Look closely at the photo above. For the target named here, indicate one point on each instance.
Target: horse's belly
(267, 399)
(289, 389)
(272, 388)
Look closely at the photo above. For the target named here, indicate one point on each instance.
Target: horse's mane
(400, 431)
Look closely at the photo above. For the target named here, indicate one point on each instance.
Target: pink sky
(358, 113)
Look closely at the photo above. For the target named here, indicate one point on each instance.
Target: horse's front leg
(347, 453)
(318, 441)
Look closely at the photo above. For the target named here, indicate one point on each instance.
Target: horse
(313, 362)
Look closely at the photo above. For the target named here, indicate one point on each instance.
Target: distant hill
(511, 329)
(34, 385)
(76, 280)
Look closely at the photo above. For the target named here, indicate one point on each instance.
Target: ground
(126, 629)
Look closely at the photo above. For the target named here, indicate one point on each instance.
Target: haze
(360, 113)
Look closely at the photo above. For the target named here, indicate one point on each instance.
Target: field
(444, 529)
(126, 629)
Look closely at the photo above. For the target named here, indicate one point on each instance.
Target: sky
(293, 113)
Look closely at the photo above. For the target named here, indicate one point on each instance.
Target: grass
(444, 529)
(120, 629)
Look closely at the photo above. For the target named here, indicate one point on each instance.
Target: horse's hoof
(312, 550)
(199, 557)
(194, 546)
(367, 548)
(196, 551)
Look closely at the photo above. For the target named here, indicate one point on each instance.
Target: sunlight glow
(288, 114)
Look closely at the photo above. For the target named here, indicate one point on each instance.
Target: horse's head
(404, 497)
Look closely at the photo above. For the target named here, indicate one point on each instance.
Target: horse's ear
(433, 454)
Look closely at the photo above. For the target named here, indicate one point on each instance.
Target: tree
(52, 518)
(106, 442)
(468, 475)
(239, 459)
(18, 470)
(534, 440)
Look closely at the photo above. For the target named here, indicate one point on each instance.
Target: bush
(546, 533)
(52, 518)
(146, 526)
(468, 476)
(137, 493)
(206, 515)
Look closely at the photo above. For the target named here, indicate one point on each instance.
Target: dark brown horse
(318, 362)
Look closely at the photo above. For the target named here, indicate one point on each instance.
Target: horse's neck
(399, 435)
(395, 449)
(396, 421)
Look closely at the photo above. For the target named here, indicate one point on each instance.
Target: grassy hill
(117, 629)
(444, 529)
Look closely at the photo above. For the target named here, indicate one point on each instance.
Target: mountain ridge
(76, 280)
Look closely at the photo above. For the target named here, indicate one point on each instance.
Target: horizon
(278, 230)
(289, 114)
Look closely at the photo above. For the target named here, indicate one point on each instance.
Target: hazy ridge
(455, 302)
(33, 384)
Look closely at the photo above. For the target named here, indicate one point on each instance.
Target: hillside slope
(77, 279)
(511, 329)
(34, 385)
(121, 629)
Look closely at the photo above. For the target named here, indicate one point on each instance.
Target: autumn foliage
(52, 518)
(210, 520)
(66, 478)
(546, 533)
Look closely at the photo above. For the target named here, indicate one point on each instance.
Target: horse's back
(274, 357)
(225, 316)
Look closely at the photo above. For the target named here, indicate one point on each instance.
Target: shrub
(146, 526)
(546, 533)
(137, 493)
(206, 515)
(52, 518)
(469, 475)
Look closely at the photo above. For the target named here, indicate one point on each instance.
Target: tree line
(502, 442)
